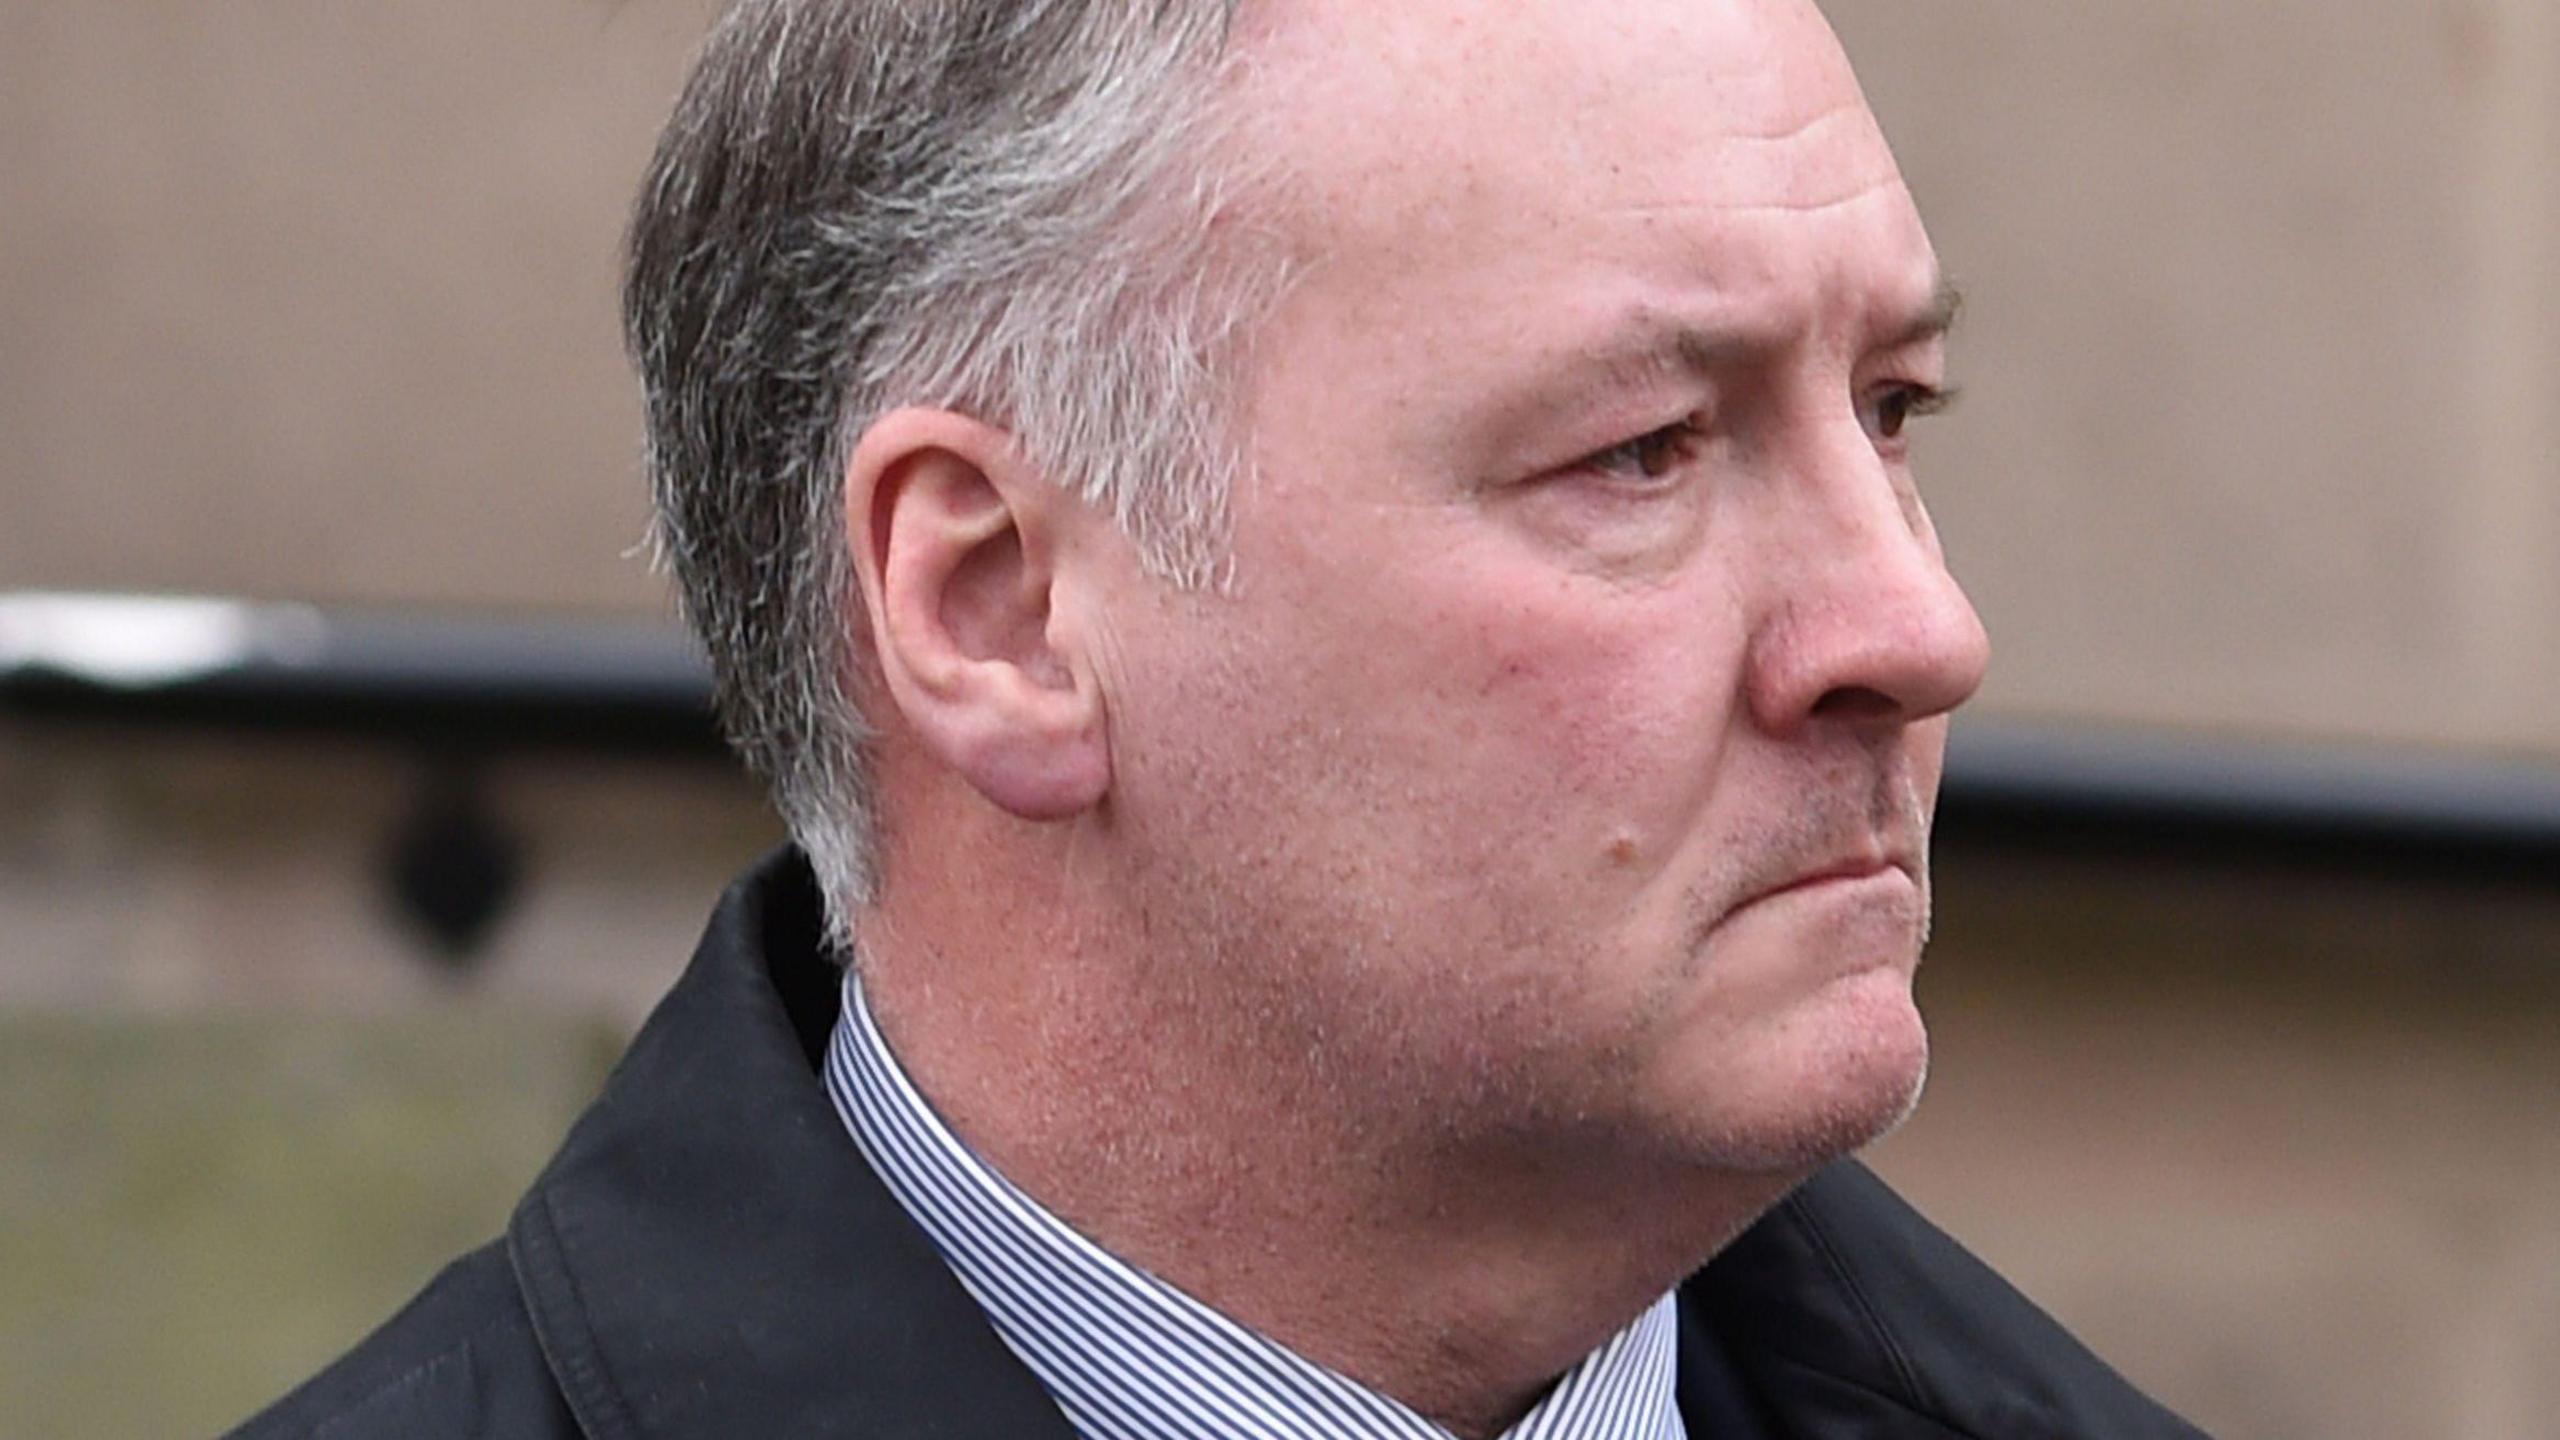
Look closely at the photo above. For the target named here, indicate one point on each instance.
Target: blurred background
(2247, 985)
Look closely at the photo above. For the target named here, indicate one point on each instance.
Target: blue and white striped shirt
(1129, 1357)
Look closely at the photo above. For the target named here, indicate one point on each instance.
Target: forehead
(1672, 144)
(1419, 86)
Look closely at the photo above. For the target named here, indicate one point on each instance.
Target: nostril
(1855, 702)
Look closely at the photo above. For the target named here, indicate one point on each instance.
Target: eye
(1895, 406)
(1647, 460)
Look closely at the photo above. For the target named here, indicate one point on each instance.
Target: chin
(1839, 1075)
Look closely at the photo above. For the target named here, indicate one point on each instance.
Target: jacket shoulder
(460, 1360)
(1844, 1301)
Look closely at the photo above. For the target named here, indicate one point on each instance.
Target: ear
(957, 543)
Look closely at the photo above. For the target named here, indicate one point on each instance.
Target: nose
(1867, 626)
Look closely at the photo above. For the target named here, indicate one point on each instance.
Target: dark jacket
(709, 1258)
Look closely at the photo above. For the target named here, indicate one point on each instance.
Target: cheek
(1618, 708)
(1477, 732)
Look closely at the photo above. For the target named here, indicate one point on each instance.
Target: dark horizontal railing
(2079, 788)
(457, 681)
(492, 684)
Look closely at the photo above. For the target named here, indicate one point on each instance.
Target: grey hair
(1002, 207)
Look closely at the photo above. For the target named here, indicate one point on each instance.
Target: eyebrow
(1934, 320)
(1682, 348)
(1652, 347)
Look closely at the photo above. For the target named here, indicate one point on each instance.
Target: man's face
(1559, 772)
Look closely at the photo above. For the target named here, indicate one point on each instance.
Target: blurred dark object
(463, 685)
(452, 868)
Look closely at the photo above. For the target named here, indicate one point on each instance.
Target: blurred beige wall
(2266, 309)
(310, 299)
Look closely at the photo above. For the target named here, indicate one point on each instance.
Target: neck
(1460, 1277)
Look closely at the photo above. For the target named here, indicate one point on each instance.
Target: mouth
(1866, 909)
(1852, 872)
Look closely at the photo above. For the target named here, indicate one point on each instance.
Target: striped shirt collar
(1129, 1357)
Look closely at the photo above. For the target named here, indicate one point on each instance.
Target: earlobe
(958, 546)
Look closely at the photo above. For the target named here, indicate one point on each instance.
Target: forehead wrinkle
(1885, 184)
(1841, 108)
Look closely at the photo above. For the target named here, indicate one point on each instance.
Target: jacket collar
(1854, 1317)
(708, 1257)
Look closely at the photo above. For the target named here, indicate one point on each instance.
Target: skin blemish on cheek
(1508, 672)
(1622, 851)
